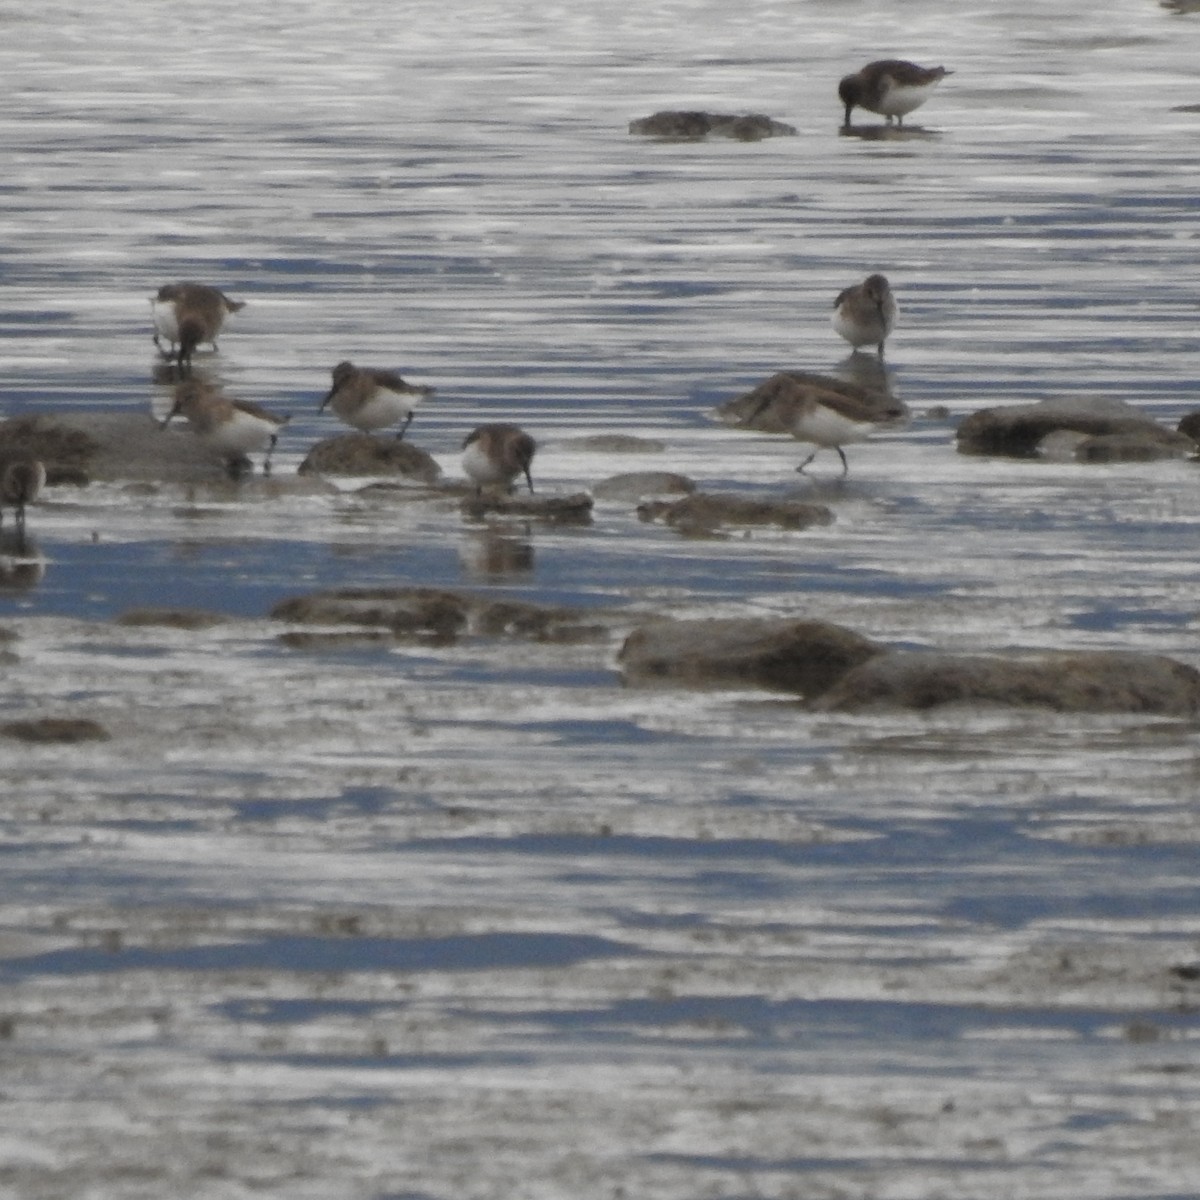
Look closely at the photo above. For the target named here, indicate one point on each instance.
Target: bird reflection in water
(488, 553)
(22, 566)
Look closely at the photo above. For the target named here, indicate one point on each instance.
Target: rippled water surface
(476, 920)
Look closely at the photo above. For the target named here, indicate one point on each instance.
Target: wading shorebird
(890, 87)
(186, 314)
(494, 455)
(827, 413)
(866, 313)
(231, 427)
(21, 482)
(369, 399)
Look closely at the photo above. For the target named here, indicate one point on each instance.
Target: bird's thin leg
(404, 428)
(805, 463)
(845, 464)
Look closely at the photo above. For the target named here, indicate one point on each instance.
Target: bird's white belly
(383, 409)
(859, 332)
(165, 324)
(899, 101)
(825, 427)
(480, 467)
(242, 433)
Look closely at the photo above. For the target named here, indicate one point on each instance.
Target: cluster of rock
(824, 665)
(1083, 429)
(679, 125)
(836, 669)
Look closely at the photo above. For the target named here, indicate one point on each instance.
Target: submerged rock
(1111, 430)
(575, 509)
(404, 611)
(55, 730)
(779, 654)
(686, 125)
(435, 613)
(635, 484)
(706, 513)
(362, 454)
(1079, 682)
(170, 618)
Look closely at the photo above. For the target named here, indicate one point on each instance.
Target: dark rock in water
(773, 405)
(1016, 430)
(1080, 682)
(335, 642)
(170, 618)
(705, 513)
(615, 443)
(778, 654)
(362, 454)
(636, 484)
(1189, 425)
(55, 730)
(535, 622)
(434, 613)
(414, 612)
(686, 126)
(1134, 447)
(78, 447)
(575, 509)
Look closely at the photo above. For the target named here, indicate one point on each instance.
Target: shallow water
(475, 919)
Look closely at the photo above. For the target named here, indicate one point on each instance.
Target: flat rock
(634, 485)
(706, 513)
(1017, 430)
(362, 454)
(83, 446)
(778, 654)
(1134, 447)
(436, 614)
(1189, 425)
(405, 612)
(575, 509)
(1077, 682)
(771, 407)
(170, 618)
(55, 730)
(678, 125)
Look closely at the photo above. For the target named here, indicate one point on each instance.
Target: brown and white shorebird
(186, 314)
(21, 482)
(890, 87)
(231, 427)
(494, 455)
(825, 412)
(866, 313)
(370, 399)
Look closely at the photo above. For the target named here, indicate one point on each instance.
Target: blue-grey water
(476, 920)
